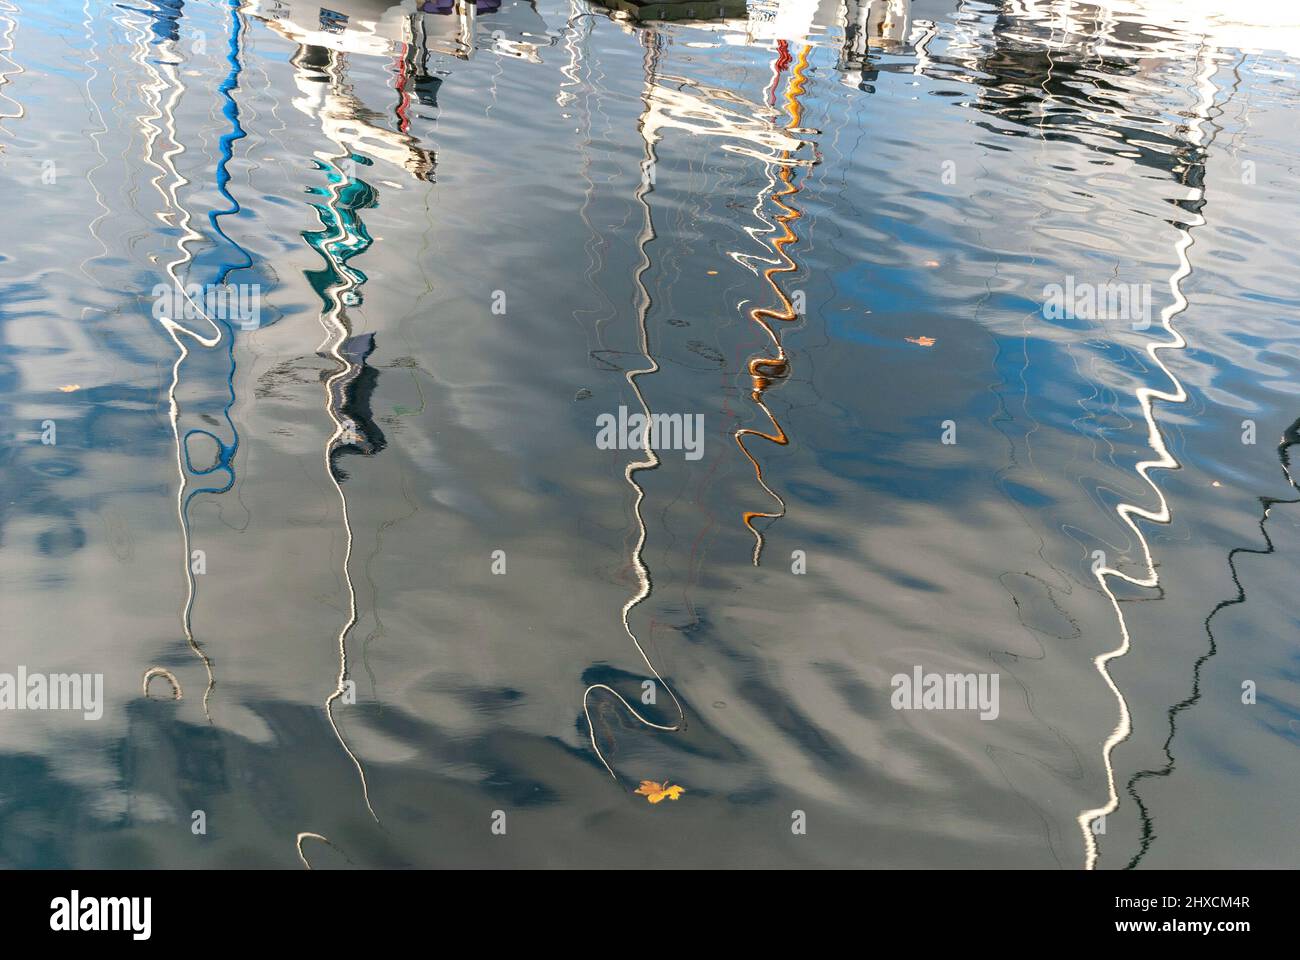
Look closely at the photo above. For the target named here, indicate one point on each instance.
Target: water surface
(405, 594)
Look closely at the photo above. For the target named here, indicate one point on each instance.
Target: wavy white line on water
(1146, 397)
(8, 27)
(163, 109)
(651, 462)
(335, 324)
(88, 25)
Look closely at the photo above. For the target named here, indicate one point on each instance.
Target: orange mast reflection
(763, 370)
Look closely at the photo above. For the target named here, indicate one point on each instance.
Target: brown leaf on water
(654, 792)
(921, 341)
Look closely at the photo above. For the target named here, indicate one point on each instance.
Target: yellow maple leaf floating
(921, 341)
(654, 792)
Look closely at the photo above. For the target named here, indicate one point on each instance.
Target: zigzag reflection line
(336, 331)
(164, 109)
(644, 585)
(334, 340)
(1289, 439)
(763, 369)
(10, 27)
(749, 516)
(1146, 397)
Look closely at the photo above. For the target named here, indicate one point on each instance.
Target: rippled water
(416, 612)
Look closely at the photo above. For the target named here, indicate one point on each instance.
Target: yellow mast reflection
(763, 370)
(683, 104)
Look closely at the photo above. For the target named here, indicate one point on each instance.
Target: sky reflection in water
(423, 593)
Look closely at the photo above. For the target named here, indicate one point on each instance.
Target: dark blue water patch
(1262, 344)
(1027, 496)
(1291, 302)
(909, 582)
(768, 701)
(20, 292)
(1291, 673)
(57, 468)
(1288, 731)
(935, 483)
(489, 700)
(843, 325)
(1212, 753)
(60, 541)
(494, 752)
(810, 493)
(818, 538)
(1288, 710)
(1239, 234)
(752, 796)
(38, 500)
(1229, 256)
(37, 822)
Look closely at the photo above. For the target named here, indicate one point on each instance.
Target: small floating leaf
(654, 792)
(921, 341)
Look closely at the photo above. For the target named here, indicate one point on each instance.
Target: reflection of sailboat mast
(10, 27)
(578, 73)
(1146, 397)
(1289, 439)
(225, 460)
(652, 42)
(165, 78)
(763, 370)
(337, 245)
